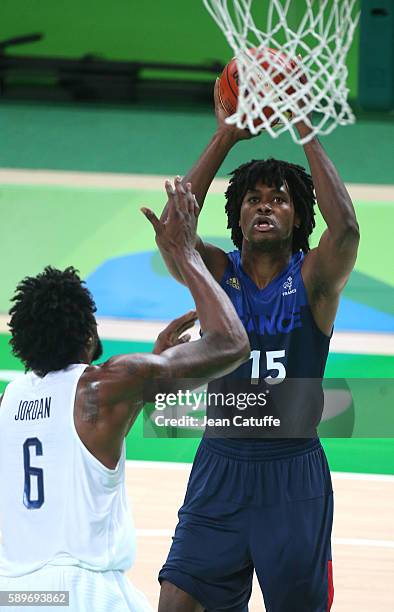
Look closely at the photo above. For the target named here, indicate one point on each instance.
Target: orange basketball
(228, 83)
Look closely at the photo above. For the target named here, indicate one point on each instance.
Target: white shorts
(89, 591)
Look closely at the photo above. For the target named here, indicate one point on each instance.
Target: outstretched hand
(172, 334)
(178, 230)
(221, 115)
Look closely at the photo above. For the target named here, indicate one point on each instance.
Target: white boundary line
(152, 182)
(366, 343)
(362, 343)
(177, 466)
(362, 476)
(8, 375)
(132, 329)
(154, 533)
(363, 542)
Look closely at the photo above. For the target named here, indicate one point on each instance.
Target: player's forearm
(332, 196)
(171, 265)
(208, 164)
(204, 170)
(214, 309)
(201, 176)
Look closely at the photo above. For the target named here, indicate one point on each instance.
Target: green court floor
(83, 227)
(369, 455)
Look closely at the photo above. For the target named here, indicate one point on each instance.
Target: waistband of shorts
(260, 450)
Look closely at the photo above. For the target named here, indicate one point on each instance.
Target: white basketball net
(322, 37)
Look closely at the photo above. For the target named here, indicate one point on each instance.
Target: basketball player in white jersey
(63, 512)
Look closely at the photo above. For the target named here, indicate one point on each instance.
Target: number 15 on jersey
(274, 362)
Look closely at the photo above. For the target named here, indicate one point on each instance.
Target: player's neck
(263, 267)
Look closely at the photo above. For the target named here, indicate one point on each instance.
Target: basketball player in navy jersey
(266, 504)
(64, 518)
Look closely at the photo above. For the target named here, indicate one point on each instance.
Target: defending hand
(178, 231)
(172, 334)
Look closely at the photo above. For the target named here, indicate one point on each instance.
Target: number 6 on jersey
(32, 471)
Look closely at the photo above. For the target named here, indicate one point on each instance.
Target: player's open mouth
(263, 226)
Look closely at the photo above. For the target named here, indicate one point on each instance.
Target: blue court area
(138, 286)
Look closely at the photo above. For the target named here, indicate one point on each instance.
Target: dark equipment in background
(94, 79)
(376, 65)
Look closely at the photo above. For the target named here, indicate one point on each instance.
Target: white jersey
(58, 505)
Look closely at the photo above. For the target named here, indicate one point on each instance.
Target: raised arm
(215, 311)
(206, 167)
(120, 384)
(110, 397)
(201, 176)
(327, 268)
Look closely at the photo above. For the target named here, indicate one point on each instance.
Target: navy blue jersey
(285, 344)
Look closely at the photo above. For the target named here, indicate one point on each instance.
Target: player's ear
(297, 222)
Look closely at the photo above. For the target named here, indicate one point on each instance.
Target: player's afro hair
(273, 172)
(52, 319)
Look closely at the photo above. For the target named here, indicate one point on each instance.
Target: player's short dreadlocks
(52, 320)
(273, 172)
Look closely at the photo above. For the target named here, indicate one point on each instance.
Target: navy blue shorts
(255, 505)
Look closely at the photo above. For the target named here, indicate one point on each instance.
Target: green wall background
(167, 141)
(174, 31)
